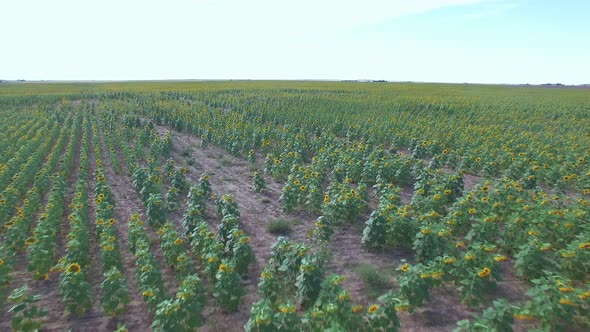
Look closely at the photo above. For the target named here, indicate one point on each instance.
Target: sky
(474, 41)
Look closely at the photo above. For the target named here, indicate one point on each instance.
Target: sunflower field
(436, 207)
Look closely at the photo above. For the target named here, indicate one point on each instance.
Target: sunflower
(402, 307)
(373, 308)
(500, 258)
(343, 296)
(450, 260)
(338, 280)
(405, 267)
(356, 309)
(148, 293)
(30, 241)
(223, 268)
(545, 247)
(178, 242)
(523, 316)
(565, 301)
(1, 261)
(288, 309)
(74, 268)
(484, 273)
(448, 192)
(469, 257)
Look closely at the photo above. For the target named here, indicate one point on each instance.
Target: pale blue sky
(478, 41)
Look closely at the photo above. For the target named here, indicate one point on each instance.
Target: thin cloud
(491, 9)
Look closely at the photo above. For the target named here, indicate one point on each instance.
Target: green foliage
(279, 226)
(228, 287)
(26, 316)
(258, 182)
(500, 317)
(114, 296)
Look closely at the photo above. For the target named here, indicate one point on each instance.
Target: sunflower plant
(309, 280)
(258, 182)
(115, 296)
(26, 316)
(183, 312)
(74, 289)
(228, 287)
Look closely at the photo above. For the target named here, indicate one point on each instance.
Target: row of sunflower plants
(42, 248)
(179, 313)
(115, 294)
(148, 183)
(25, 173)
(23, 152)
(20, 224)
(237, 252)
(74, 287)
(148, 271)
(18, 128)
(195, 206)
(17, 230)
(178, 184)
(295, 296)
(225, 255)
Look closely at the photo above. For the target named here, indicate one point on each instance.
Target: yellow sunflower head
(74, 268)
(373, 308)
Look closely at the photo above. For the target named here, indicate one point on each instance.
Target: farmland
(294, 206)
